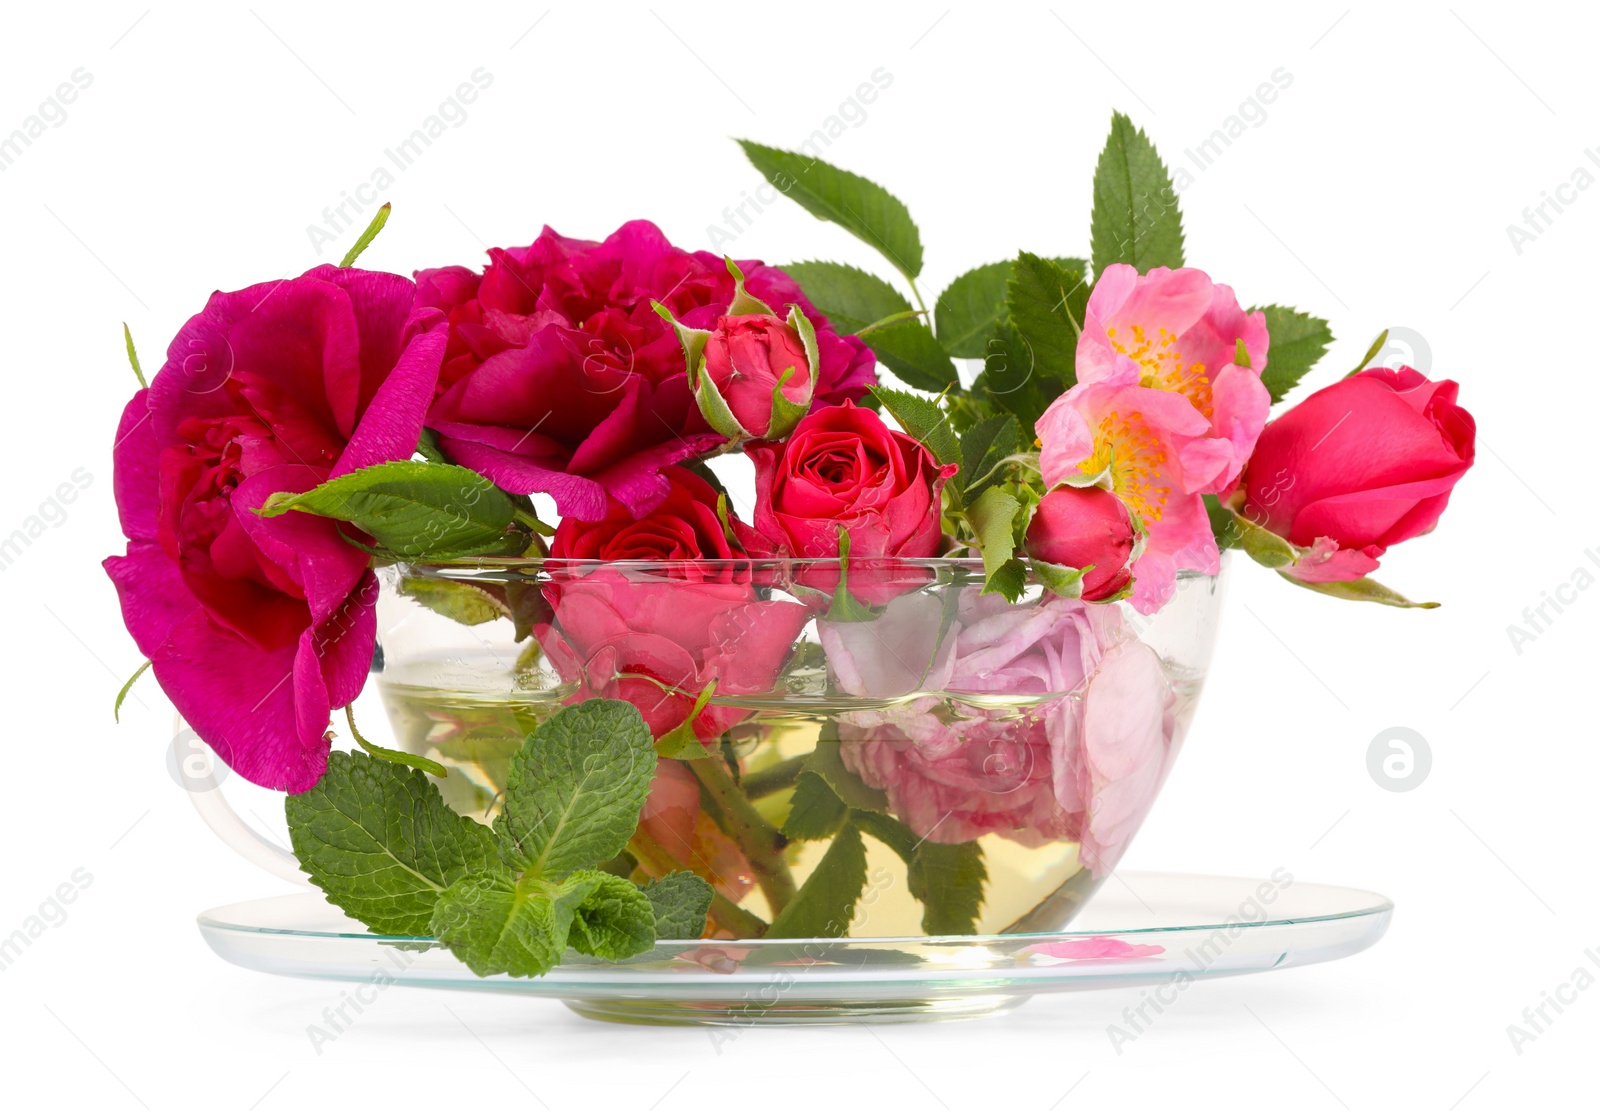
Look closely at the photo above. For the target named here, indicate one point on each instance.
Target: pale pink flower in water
(1175, 330)
(1094, 949)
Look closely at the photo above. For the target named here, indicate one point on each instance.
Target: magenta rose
(657, 631)
(561, 378)
(1364, 464)
(1085, 527)
(258, 628)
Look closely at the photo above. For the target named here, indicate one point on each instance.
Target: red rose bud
(1080, 526)
(757, 378)
(1366, 463)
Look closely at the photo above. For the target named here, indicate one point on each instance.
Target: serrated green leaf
(680, 902)
(827, 762)
(1295, 342)
(948, 879)
(681, 741)
(966, 312)
(913, 355)
(1046, 305)
(1012, 382)
(826, 904)
(1136, 218)
(923, 420)
(465, 603)
(380, 842)
(984, 446)
(576, 788)
(613, 919)
(413, 510)
(993, 517)
(850, 298)
(846, 199)
(1009, 579)
(499, 925)
(1361, 591)
(815, 811)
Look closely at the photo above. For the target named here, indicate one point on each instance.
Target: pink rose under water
(560, 378)
(1066, 771)
(258, 628)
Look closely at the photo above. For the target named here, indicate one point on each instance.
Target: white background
(1377, 192)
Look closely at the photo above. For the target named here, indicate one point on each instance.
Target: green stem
(726, 914)
(759, 841)
(772, 779)
(923, 307)
(426, 765)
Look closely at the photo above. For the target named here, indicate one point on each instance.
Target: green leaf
(1361, 591)
(993, 518)
(1009, 579)
(846, 199)
(914, 356)
(680, 902)
(122, 693)
(499, 925)
(1295, 342)
(826, 905)
(947, 879)
(923, 420)
(827, 762)
(1372, 352)
(851, 298)
(461, 602)
(614, 919)
(1233, 530)
(965, 314)
(379, 220)
(380, 842)
(428, 446)
(1136, 219)
(414, 510)
(681, 741)
(815, 811)
(1011, 381)
(845, 607)
(1064, 581)
(984, 447)
(1046, 304)
(133, 357)
(576, 787)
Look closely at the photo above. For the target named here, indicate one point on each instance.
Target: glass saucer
(1142, 929)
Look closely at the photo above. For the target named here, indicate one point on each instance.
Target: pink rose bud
(1079, 526)
(746, 358)
(1366, 463)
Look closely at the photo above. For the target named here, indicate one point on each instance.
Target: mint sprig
(380, 842)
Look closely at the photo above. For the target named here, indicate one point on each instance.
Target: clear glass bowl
(975, 747)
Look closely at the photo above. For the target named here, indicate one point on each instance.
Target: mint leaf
(380, 842)
(576, 788)
(850, 298)
(913, 355)
(414, 510)
(846, 199)
(826, 905)
(984, 446)
(496, 924)
(1136, 219)
(614, 919)
(923, 420)
(967, 312)
(465, 603)
(815, 811)
(680, 902)
(1046, 304)
(1295, 342)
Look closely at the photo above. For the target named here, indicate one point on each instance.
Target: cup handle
(197, 770)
